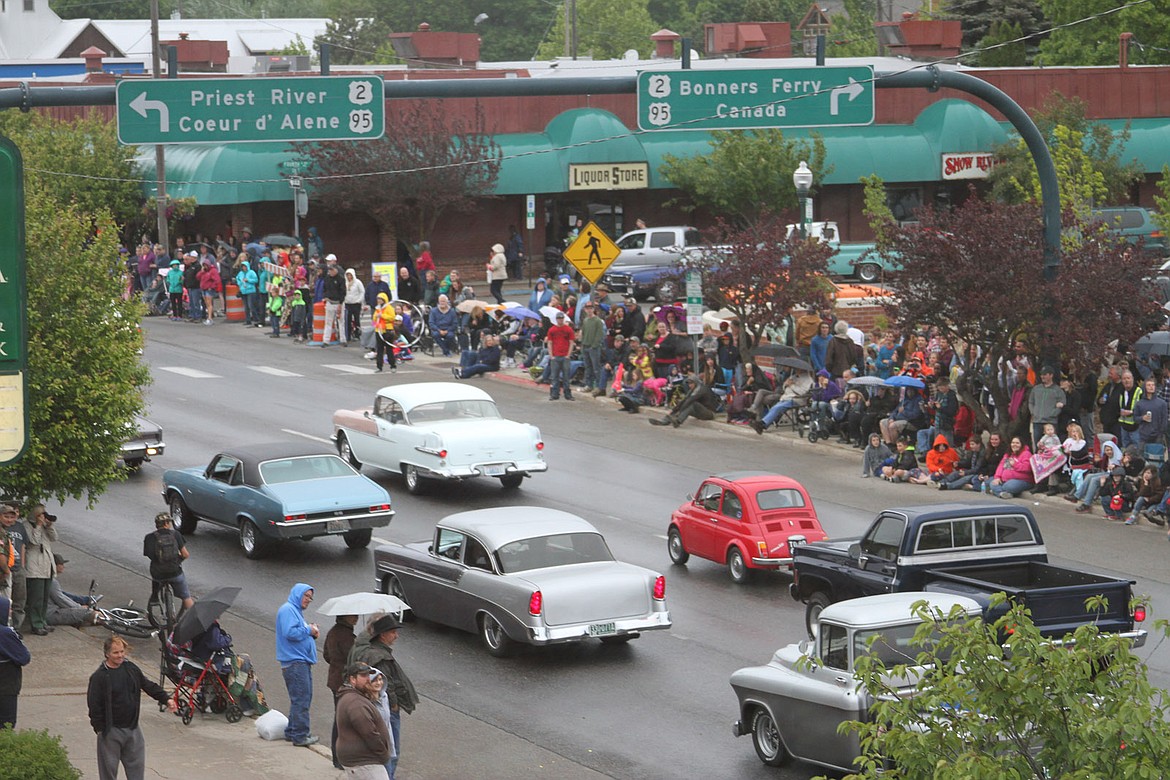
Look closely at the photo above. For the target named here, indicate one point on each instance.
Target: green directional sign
(218, 111)
(755, 98)
(13, 341)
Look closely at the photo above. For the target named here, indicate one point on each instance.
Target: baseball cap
(60, 559)
(331, 258)
(359, 667)
(564, 278)
(560, 315)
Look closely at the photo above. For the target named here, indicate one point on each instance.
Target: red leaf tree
(976, 272)
(429, 161)
(760, 273)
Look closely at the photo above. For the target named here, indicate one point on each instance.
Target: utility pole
(160, 162)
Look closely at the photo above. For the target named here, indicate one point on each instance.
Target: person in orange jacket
(941, 460)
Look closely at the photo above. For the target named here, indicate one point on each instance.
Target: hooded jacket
(13, 654)
(1015, 466)
(362, 736)
(209, 280)
(399, 690)
(385, 317)
(246, 279)
(541, 295)
(941, 461)
(872, 457)
(294, 639)
(355, 291)
(498, 264)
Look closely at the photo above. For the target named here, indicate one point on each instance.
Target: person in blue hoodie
(247, 280)
(13, 657)
(541, 295)
(296, 652)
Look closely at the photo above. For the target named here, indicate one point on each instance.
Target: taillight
(380, 508)
(443, 454)
(1139, 613)
(762, 547)
(535, 603)
(293, 518)
(660, 588)
(540, 446)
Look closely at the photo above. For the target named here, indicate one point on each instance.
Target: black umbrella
(797, 363)
(774, 351)
(1156, 343)
(203, 613)
(280, 239)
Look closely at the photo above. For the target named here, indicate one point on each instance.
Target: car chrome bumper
(771, 563)
(322, 527)
(739, 728)
(545, 635)
(477, 469)
(141, 449)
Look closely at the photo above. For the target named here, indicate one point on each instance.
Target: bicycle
(162, 610)
(127, 620)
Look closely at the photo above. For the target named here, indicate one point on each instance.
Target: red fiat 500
(748, 520)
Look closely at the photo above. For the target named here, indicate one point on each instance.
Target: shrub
(34, 755)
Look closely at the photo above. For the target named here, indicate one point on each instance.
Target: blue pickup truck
(973, 550)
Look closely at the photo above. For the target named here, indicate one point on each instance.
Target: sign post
(220, 111)
(592, 252)
(529, 224)
(760, 97)
(695, 312)
(13, 297)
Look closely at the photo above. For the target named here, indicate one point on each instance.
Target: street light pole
(295, 182)
(802, 179)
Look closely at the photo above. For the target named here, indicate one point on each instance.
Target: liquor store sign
(609, 176)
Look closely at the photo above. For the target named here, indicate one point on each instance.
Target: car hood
(592, 592)
(483, 441)
(319, 495)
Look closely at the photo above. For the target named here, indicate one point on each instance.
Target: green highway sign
(219, 111)
(13, 339)
(755, 98)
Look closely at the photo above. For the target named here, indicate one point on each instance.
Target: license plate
(494, 469)
(337, 526)
(602, 629)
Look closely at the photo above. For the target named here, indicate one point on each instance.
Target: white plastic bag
(271, 725)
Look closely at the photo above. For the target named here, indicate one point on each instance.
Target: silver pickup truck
(648, 262)
(793, 705)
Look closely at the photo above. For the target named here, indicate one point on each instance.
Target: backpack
(166, 550)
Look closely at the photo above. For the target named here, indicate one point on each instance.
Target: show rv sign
(968, 165)
(755, 98)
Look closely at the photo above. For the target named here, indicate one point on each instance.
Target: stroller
(201, 670)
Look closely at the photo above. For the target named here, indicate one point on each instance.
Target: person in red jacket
(559, 341)
(940, 461)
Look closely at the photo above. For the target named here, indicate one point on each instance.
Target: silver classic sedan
(523, 575)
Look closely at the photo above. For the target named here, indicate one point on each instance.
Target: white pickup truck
(648, 262)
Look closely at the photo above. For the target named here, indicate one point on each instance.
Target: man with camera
(38, 567)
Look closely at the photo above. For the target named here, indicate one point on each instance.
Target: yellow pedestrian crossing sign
(592, 252)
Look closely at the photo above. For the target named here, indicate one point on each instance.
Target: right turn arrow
(852, 89)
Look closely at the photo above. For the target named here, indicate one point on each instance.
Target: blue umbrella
(520, 313)
(902, 380)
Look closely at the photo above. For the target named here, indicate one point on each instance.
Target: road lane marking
(192, 373)
(306, 435)
(380, 540)
(273, 371)
(348, 368)
(663, 537)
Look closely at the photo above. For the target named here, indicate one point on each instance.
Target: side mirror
(855, 550)
(691, 497)
(366, 414)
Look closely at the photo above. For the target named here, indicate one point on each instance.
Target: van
(1133, 223)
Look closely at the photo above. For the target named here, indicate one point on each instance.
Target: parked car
(146, 443)
(438, 431)
(748, 520)
(1134, 224)
(523, 575)
(854, 260)
(974, 549)
(273, 492)
(648, 264)
(793, 705)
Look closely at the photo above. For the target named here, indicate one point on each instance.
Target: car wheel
(346, 452)
(766, 739)
(665, 292)
(493, 636)
(737, 567)
(414, 481)
(618, 640)
(181, 517)
(674, 546)
(869, 272)
(812, 610)
(251, 542)
(358, 540)
(133, 464)
(511, 481)
(392, 586)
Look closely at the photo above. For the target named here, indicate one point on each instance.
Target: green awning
(221, 175)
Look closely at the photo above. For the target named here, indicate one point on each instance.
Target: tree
(760, 273)
(605, 30)
(1095, 42)
(877, 211)
(979, 16)
(84, 378)
(1088, 156)
(747, 173)
(851, 34)
(432, 162)
(975, 272)
(356, 32)
(1003, 46)
(1162, 201)
(1021, 708)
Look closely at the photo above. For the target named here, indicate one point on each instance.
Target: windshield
(556, 550)
(275, 472)
(454, 410)
(892, 645)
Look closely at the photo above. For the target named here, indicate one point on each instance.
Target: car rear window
(454, 410)
(1123, 220)
(779, 498)
(541, 552)
(275, 472)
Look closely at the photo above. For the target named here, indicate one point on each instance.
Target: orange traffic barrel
(235, 304)
(319, 323)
